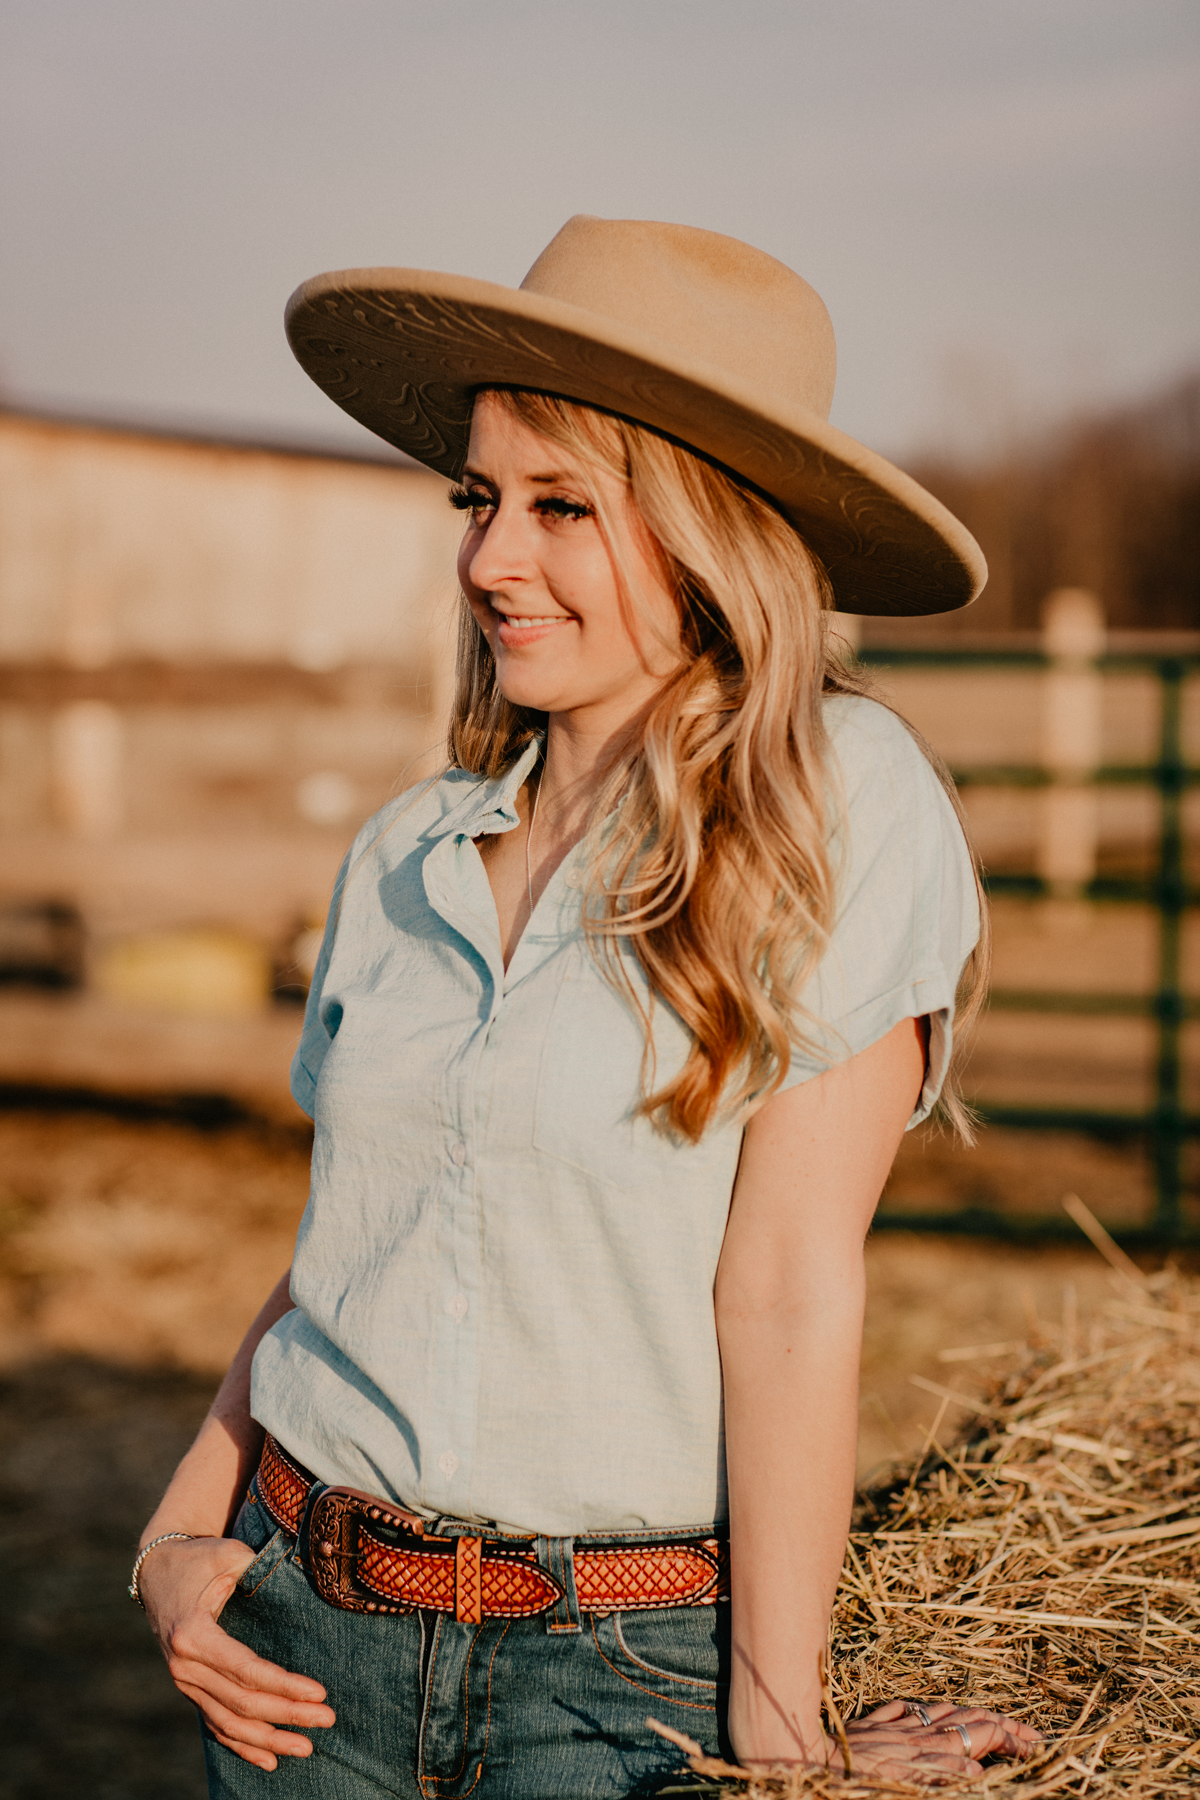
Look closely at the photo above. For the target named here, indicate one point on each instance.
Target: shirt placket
(457, 887)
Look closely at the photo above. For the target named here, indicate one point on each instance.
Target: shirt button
(457, 1306)
(458, 1155)
(447, 1462)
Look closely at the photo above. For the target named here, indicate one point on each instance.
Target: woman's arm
(210, 1483)
(789, 1302)
(185, 1585)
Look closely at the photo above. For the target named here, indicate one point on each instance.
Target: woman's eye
(472, 500)
(553, 506)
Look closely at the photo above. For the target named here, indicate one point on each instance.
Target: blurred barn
(215, 662)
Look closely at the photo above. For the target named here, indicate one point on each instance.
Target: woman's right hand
(244, 1700)
(894, 1743)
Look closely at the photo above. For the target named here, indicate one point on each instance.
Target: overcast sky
(996, 198)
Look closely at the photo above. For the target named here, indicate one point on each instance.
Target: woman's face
(539, 578)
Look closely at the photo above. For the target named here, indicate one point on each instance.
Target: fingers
(255, 1741)
(946, 1740)
(990, 1731)
(245, 1700)
(201, 1652)
(894, 1709)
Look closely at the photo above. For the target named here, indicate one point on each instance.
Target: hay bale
(1045, 1563)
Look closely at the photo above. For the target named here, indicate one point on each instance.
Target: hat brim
(404, 351)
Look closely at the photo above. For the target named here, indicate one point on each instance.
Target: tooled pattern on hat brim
(406, 366)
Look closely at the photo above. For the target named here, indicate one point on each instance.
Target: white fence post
(87, 768)
(1073, 633)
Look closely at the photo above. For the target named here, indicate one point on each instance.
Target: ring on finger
(914, 1709)
(964, 1734)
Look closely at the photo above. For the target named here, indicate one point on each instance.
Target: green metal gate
(1166, 1127)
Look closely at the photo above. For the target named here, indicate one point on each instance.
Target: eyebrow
(470, 474)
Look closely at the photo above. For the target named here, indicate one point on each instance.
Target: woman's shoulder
(868, 740)
(889, 803)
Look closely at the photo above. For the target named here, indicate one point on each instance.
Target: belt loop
(558, 1556)
(468, 1580)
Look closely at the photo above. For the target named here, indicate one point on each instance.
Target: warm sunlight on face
(537, 572)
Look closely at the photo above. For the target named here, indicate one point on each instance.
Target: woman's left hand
(895, 1741)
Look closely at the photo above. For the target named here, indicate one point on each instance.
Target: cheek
(484, 617)
(463, 565)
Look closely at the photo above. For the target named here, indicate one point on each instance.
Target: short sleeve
(320, 1021)
(907, 912)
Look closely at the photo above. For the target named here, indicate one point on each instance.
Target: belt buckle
(333, 1547)
(458, 1576)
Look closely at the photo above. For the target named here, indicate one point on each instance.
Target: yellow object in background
(220, 974)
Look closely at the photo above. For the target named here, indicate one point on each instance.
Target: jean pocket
(673, 1654)
(276, 1550)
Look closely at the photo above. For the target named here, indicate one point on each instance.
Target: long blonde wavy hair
(715, 869)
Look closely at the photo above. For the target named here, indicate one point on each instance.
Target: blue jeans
(549, 1708)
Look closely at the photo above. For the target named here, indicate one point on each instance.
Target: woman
(615, 1032)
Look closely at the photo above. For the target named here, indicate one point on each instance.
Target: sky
(997, 199)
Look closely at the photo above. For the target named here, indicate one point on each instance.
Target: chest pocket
(589, 1087)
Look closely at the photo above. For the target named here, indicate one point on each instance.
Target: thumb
(215, 1594)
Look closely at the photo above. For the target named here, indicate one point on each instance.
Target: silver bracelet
(167, 1536)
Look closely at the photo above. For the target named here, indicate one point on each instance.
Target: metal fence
(1165, 1127)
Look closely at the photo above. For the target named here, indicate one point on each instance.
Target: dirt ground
(135, 1251)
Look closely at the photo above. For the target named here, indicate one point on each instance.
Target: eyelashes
(548, 506)
(555, 507)
(469, 499)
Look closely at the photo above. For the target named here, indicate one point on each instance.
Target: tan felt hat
(693, 333)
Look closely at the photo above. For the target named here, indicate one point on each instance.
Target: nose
(502, 553)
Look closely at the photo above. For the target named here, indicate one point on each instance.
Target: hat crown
(703, 295)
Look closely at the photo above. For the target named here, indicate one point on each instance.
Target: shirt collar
(491, 806)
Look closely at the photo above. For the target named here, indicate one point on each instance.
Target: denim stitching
(487, 1725)
(692, 1705)
(440, 1780)
(248, 1593)
(425, 1710)
(663, 1674)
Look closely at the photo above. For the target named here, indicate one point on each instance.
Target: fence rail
(1165, 1126)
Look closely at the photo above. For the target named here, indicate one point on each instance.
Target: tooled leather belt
(368, 1555)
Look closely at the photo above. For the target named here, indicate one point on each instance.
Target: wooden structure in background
(215, 661)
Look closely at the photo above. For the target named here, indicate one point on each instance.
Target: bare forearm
(791, 1414)
(207, 1488)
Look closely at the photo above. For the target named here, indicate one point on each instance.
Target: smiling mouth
(522, 624)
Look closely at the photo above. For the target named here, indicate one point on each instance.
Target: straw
(1108, 1247)
(1046, 1563)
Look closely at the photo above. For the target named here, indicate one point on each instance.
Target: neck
(577, 758)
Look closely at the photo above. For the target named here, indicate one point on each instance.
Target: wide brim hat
(697, 335)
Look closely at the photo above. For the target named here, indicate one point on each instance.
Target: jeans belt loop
(557, 1555)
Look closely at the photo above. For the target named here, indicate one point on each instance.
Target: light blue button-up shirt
(503, 1280)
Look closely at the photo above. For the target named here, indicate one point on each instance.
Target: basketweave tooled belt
(368, 1555)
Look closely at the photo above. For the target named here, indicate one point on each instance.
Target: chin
(530, 688)
(535, 700)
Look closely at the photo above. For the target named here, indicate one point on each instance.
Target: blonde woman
(614, 1035)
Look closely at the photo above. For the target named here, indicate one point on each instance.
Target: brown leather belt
(368, 1555)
